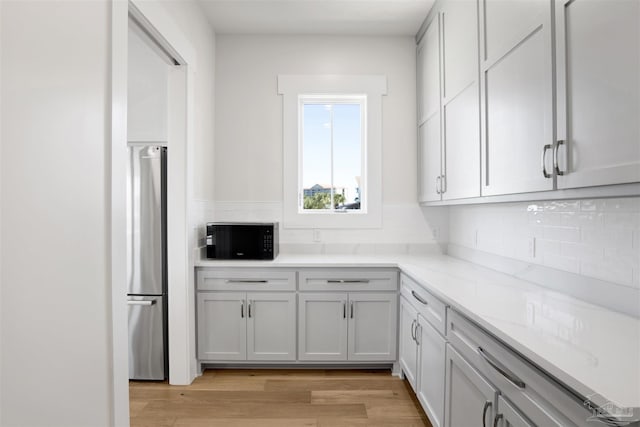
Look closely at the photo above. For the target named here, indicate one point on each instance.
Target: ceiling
(334, 17)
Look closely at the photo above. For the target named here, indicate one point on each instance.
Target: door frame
(180, 233)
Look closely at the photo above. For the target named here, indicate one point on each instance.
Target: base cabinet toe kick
(378, 317)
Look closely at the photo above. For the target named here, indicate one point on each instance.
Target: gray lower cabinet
(341, 326)
(470, 398)
(431, 375)
(236, 326)
(508, 416)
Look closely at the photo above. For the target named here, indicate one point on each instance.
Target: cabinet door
(517, 95)
(372, 326)
(408, 344)
(429, 135)
(271, 326)
(509, 416)
(222, 327)
(469, 399)
(431, 350)
(429, 144)
(598, 82)
(322, 333)
(428, 72)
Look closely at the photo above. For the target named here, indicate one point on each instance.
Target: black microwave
(242, 240)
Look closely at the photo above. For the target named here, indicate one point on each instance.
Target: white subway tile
(593, 205)
(623, 219)
(563, 234)
(562, 206)
(607, 238)
(627, 204)
(592, 253)
(610, 269)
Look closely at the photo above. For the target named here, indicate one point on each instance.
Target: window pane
(347, 155)
(316, 156)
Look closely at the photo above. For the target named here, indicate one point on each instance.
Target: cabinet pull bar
(418, 326)
(413, 333)
(249, 309)
(496, 420)
(503, 370)
(242, 310)
(487, 405)
(245, 281)
(418, 297)
(555, 158)
(351, 309)
(438, 185)
(544, 166)
(344, 310)
(443, 184)
(348, 281)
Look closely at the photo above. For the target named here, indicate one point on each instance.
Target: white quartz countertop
(592, 350)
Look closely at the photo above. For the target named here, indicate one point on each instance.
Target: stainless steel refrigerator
(147, 262)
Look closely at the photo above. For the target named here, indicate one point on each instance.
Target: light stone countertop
(592, 350)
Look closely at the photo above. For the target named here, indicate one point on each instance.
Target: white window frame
(297, 87)
(352, 99)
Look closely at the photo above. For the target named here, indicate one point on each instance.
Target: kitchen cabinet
(598, 92)
(517, 84)
(529, 397)
(408, 352)
(423, 347)
(470, 398)
(429, 118)
(222, 329)
(432, 350)
(449, 118)
(246, 326)
(460, 100)
(340, 326)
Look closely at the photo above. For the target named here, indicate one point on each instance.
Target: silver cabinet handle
(443, 184)
(145, 303)
(418, 328)
(249, 309)
(487, 405)
(245, 281)
(344, 310)
(544, 155)
(556, 167)
(503, 370)
(242, 309)
(413, 332)
(438, 185)
(416, 296)
(348, 281)
(496, 420)
(351, 310)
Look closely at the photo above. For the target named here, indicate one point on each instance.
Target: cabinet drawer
(430, 307)
(348, 279)
(245, 279)
(539, 397)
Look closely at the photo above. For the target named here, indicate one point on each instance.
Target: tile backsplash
(595, 238)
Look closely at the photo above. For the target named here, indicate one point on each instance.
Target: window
(332, 146)
(332, 143)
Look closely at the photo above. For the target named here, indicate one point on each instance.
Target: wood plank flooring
(270, 398)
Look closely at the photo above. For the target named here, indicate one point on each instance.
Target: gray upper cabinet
(429, 126)
(460, 100)
(598, 83)
(516, 84)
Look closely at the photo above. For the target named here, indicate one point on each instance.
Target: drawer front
(430, 307)
(348, 279)
(533, 392)
(245, 279)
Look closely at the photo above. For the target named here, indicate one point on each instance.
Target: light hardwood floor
(270, 398)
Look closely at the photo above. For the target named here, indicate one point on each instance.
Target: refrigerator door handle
(150, 302)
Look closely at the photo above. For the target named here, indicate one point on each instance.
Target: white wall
(594, 238)
(55, 314)
(248, 172)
